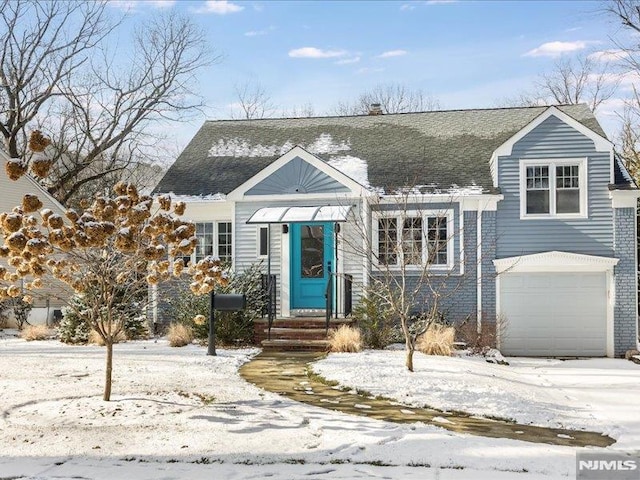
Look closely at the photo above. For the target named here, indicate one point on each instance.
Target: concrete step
(281, 345)
(296, 333)
(302, 322)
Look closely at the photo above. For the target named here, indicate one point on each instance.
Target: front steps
(304, 334)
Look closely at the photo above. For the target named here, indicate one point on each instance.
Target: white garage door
(553, 314)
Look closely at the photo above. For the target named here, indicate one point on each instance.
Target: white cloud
(313, 52)
(412, 5)
(347, 61)
(162, 3)
(219, 7)
(608, 55)
(258, 33)
(392, 53)
(126, 5)
(367, 70)
(555, 49)
(132, 5)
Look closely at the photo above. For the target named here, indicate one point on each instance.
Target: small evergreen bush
(75, 326)
(374, 319)
(232, 328)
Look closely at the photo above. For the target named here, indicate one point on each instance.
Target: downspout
(479, 269)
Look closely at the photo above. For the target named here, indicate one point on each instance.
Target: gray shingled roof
(443, 148)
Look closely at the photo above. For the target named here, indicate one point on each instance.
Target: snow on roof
(353, 167)
(241, 147)
(214, 197)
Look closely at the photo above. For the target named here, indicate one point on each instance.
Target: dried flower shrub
(38, 142)
(115, 242)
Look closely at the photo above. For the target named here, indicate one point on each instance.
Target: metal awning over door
(327, 213)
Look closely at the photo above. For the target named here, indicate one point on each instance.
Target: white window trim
(424, 214)
(552, 164)
(215, 236)
(258, 229)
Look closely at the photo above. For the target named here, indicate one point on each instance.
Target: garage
(554, 304)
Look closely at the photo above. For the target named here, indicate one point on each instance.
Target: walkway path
(287, 374)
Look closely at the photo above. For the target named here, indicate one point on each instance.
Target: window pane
(312, 251)
(224, 241)
(204, 234)
(538, 201)
(568, 201)
(438, 239)
(387, 241)
(412, 241)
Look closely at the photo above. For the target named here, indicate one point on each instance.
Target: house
(525, 214)
(47, 304)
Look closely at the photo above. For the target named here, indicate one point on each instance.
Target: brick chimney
(375, 109)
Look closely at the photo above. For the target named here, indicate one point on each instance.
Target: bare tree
(571, 81)
(392, 98)
(100, 111)
(306, 110)
(42, 45)
(412, 272)
(253, 101)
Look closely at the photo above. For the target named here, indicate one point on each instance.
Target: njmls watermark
(607, 466)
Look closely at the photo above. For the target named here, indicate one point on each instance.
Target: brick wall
(625, 313)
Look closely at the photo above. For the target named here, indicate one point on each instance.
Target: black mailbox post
(226, 302)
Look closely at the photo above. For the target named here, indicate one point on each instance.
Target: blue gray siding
(457, 293)
(625, 313)
(553, 139)
(488, 243)
(297, 176)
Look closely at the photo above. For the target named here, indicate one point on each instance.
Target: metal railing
(347, 300)
(269, 307)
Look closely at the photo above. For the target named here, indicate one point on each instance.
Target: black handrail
(269, 308)
(328, 295)
(347, 300)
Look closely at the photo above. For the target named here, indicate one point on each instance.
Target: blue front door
(311, 255)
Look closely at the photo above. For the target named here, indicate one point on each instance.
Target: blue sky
(466, 54)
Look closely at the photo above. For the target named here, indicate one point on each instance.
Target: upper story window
(554, 188)
(214, 239)
(415, 239)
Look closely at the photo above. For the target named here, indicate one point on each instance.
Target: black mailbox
(229, 302)
(224, 302)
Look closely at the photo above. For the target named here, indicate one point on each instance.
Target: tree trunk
(409, 362)
(107, 380)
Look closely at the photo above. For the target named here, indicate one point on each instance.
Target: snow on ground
(177, 413)
(591, 394)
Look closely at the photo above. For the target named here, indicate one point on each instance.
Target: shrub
(374, 319)
(75, 326)
(232, 328)
(35, 332)
(437, 340)
(345, 339)
(20, 310)
(475, 341)
(179, 334)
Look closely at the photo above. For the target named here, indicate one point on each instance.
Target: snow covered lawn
(591, 394)
(177, 413)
